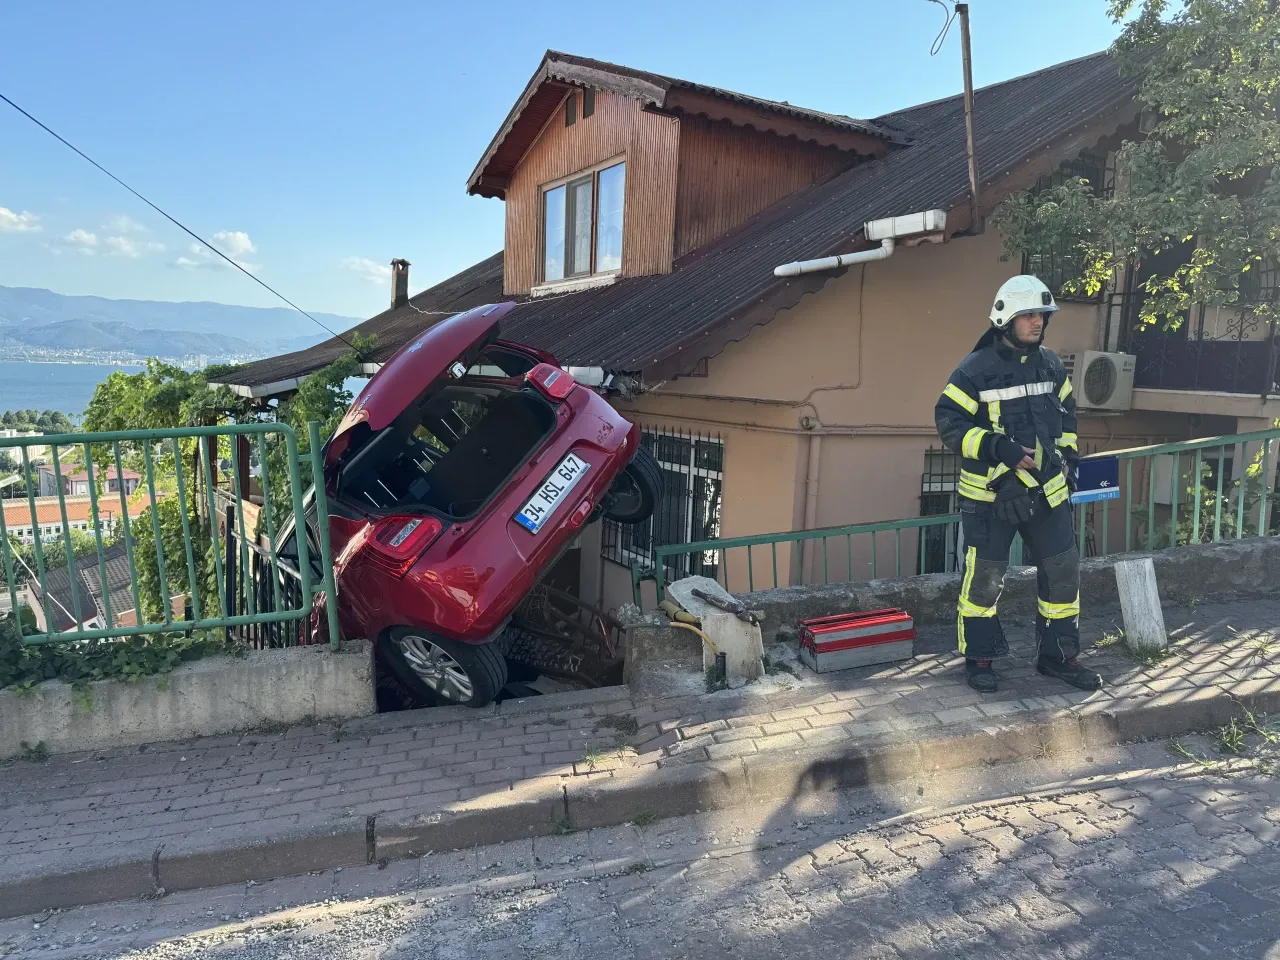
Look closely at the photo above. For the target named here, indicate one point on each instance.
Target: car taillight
(398, 541)
(552, 382)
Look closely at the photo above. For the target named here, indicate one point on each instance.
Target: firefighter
(1008, 413)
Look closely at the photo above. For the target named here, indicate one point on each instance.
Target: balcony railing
(1227, 350)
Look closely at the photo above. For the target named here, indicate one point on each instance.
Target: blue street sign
(1099, 479)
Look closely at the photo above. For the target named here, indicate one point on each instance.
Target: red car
(462, 472)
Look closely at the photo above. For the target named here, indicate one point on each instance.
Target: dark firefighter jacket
(1024, 394)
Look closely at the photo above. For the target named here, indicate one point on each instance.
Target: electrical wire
(176, 223)
(946, 27)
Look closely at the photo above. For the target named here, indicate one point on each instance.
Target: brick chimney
(399, 283)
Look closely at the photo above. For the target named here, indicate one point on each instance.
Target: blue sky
(318, 140)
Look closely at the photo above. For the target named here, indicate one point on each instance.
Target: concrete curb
(541, 808)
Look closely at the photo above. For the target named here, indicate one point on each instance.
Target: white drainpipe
(926, 225)
(882, 252)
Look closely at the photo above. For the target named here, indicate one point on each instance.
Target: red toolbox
(857, 639)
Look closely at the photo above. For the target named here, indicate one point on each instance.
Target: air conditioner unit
(1102, 381)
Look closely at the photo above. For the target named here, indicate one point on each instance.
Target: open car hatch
(421, 363)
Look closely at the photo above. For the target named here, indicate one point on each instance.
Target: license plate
(553, 490)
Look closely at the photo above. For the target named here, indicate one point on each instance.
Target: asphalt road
(1127, 853)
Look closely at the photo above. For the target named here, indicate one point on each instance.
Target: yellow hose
(692, 629)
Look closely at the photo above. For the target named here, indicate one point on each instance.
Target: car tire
(445, 672)
(636, 492)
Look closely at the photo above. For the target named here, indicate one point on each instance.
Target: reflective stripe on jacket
(1023, 394)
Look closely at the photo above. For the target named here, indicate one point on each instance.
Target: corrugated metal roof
(639, 322)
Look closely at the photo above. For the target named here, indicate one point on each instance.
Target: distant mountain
(51, 321)
(112, 336)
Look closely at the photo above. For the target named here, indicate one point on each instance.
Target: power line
(946, 27)
(176, 223)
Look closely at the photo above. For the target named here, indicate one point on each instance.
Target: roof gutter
(928, 225)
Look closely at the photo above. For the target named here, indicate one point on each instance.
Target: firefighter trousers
(1051, 541)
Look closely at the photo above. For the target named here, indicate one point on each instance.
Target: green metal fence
(174, 470)
(1196, 491)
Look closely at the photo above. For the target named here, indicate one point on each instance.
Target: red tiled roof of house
(17, 511)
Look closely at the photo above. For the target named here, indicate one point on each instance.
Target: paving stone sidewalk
(79, 812)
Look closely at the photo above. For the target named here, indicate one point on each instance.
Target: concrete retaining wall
(1221, 571)
(209, 697)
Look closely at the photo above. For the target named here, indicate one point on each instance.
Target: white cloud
(234, 243)
(370, 270)
(24, 222)
(133, 249)
(82, 240)
(125, 224)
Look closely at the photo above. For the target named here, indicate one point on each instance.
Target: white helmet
(1019, 295)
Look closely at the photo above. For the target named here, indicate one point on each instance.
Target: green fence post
(246, 571)
(66, 539)
(1128, 505)
(1173, 500)
(1151, 503)
(295, 490)
(186, 531)
(1242, 484)
(36, 546)
(271, 524)
(1080, 508)
(322, 529)
(155, 526)
(8, 571)
(1217, 500)
(211, 498)
(1268, 478)
(1106, 514)
(97, 535)
(1199, 500)
(128, 535)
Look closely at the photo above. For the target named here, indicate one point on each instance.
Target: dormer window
(582, 224)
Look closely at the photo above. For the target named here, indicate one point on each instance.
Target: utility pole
(975, 221)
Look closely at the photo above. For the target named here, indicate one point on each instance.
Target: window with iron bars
(1055, 268)
(939, 546)
(693, 471)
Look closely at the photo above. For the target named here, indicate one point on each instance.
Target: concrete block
(1022, 739)
(284, 857)
(1140, 603)
(821, 769)
(208, 697)
(738, 640)
(122, 881)
(1172, 714)
(671, 791)
(533, 809)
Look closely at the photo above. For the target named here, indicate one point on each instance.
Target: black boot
(980, 675)
(1071, 672)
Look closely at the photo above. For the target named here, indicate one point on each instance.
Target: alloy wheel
(436, 668)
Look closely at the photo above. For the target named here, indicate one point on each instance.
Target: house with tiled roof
(23, 524)
(646, 219)
(75, 481)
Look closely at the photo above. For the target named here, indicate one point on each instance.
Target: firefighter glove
(1007, 451)
(1014, 503)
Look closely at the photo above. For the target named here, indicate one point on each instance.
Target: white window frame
(590, 277)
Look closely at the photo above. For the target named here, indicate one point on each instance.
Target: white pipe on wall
(882, 252)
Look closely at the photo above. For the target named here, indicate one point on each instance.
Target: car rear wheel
(635, 494)
(444, 671)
